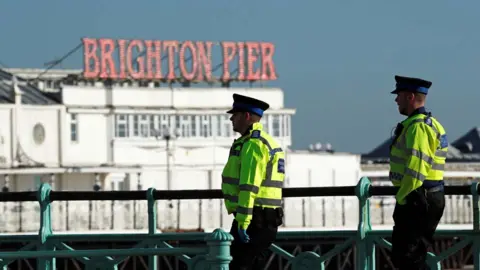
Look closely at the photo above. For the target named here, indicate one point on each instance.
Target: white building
(118, 132)
(75, 134)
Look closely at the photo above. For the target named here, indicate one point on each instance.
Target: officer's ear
(248, 116)
(410, 97)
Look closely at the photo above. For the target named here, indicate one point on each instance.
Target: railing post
(43, 196)
(152, 225)
(476, 226)
(218, 257)
(365, 247)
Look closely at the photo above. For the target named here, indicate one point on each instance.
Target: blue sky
(336, 59)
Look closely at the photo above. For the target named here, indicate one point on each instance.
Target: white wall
(322, 169)
(5, 136)
(50, 118)
(92, 146)
(19, 138)
(180, 98)
(95, 145)
(306, 169)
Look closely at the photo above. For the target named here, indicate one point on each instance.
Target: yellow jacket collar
(254, 126)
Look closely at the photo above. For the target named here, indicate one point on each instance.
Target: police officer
(417, 161)
(252, 182)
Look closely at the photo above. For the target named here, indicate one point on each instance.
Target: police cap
(247, 104)
(413, 85)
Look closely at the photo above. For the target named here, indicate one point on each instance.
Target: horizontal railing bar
(438, 233)
(390, 191)
(206, 194)
(184, 236)
(101, 253)
(18, 238)
(200, 236)
(19, 196)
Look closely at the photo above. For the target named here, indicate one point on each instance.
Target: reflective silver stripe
(250, 188)
(268, 173)
(272, 202)
(438, 167)
(435, 130)
(426, 158)
(230, 180)
(272, 151)
(231, 198)
(402, 139)
(441, 153)
(272, 183)
(432, 126)
(400, 144)
(268, 182)
(420, 155)
(415, 174)
(244, 211)
(262, 201)
(264, 141)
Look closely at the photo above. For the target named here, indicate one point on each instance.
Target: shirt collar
(420, 110)
(254, 126)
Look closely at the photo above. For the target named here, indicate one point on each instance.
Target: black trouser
(262, 231)
(415, 225)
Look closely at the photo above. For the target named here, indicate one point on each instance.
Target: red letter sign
(255, 60)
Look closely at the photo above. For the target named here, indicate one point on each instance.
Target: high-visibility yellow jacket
(417, 155)
(253, 175)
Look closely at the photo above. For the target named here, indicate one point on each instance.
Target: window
(227, 130)
(287, 125)
(153, 125)
(164, 124)
(150, 126)
(205, 127)
(144, 125)
(121, 126)
(177, 122)
(264, 122)
(193, 118)
(73, 127)
(219, 120)
(136, 128)
(185, 122)
(276, 125)
(118, 184)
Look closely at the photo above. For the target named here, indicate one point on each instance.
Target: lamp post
(168, 135)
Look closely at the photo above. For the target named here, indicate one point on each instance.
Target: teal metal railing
(46, 246)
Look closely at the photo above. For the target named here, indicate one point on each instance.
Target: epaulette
(443, 141)
(428, 121)
(255, 134)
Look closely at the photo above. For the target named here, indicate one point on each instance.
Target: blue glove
(243, 235)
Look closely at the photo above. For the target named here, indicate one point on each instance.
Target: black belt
(434, 189)
(262, 210)
(429, 190)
